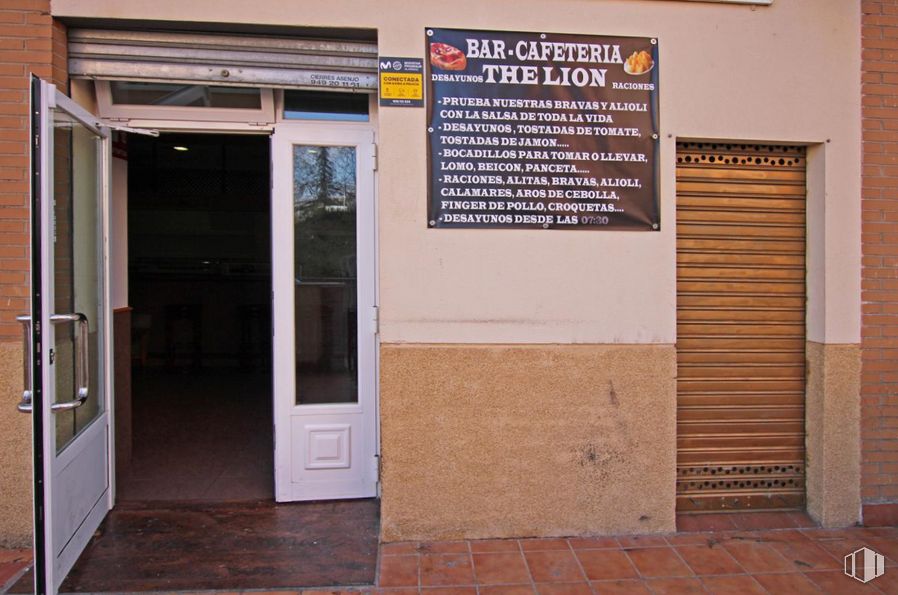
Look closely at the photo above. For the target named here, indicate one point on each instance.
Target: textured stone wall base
(500, 441)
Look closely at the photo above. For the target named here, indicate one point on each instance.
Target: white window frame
(265, 114)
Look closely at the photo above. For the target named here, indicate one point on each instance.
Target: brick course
(879, 293)
(30, 42)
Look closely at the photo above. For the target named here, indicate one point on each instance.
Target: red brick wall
(879, 295)
(30, 42)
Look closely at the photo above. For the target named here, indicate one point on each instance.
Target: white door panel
(324, 340)
(68, 344)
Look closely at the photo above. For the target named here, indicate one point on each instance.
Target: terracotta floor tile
(554, 566)
(443, 547)
(886, 547)
(704, 522)
(593, 543)
(709, 560)
(641, 541)
(658, 562)
(764, 520)
(506, 590)
(443, 570)
(802, 519)
(10, 570)
(733, 585)
(834, 533)
(494, 545)
(500, 568)
(757, 557)
(886, 532)
(839, 548)
(620, 588)
(538, 545)
(563, 589)
(791, 584)
(606, 564)
(693, 538)
(399, 548)
(14, 556)
(449, 590)
(743, 535)
(807, 556)
(887, 583)
(398, 571)
(675, 586)
(837, 583)
(785, 535)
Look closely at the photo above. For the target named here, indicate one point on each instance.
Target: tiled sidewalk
(788, 561)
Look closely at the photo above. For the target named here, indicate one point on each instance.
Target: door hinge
(376, 467)
(374, 156)
(375, 319)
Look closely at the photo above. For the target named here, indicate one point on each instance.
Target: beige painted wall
(727, 72)
(501, 441)
(15, 452)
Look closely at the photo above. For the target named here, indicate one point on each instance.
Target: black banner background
(494, 163)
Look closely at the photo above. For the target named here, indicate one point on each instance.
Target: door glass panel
(324, 210)
(77, 272)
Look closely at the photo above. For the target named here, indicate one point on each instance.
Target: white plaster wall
(789, 72)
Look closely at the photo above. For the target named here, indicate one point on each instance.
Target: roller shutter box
(213, 58)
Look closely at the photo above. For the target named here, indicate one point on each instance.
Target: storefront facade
(541, 382)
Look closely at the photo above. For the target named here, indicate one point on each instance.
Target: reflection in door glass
(76, 265)
(324, 207)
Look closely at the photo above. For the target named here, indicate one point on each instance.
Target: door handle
(24, 405)
(82, 360)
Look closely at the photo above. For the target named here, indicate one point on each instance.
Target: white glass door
(323, 256)
(67, 333)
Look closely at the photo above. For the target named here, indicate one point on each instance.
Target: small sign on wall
(401, 82)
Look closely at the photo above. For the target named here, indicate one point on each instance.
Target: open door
(324, 312)
(67, 335)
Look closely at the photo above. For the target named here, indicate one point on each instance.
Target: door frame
(334, 133)
(269, 130)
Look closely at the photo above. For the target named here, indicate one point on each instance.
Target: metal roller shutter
(213, 58)
(740, 327)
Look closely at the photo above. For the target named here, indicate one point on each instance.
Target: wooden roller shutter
(740, 327)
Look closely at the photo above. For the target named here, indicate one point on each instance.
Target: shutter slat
(740, 326)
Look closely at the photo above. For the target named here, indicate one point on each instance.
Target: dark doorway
(200, 285)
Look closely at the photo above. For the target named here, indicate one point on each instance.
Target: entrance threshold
(151, 547)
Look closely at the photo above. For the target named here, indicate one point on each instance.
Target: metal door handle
(24, 405)
(82, 360)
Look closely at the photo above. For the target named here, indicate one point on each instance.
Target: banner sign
(401, 81)
(542, 130)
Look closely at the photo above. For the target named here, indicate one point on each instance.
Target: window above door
(177, 101)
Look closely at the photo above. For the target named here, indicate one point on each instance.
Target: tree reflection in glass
(324, 213)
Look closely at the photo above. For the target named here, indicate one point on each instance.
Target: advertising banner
(542, 130)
